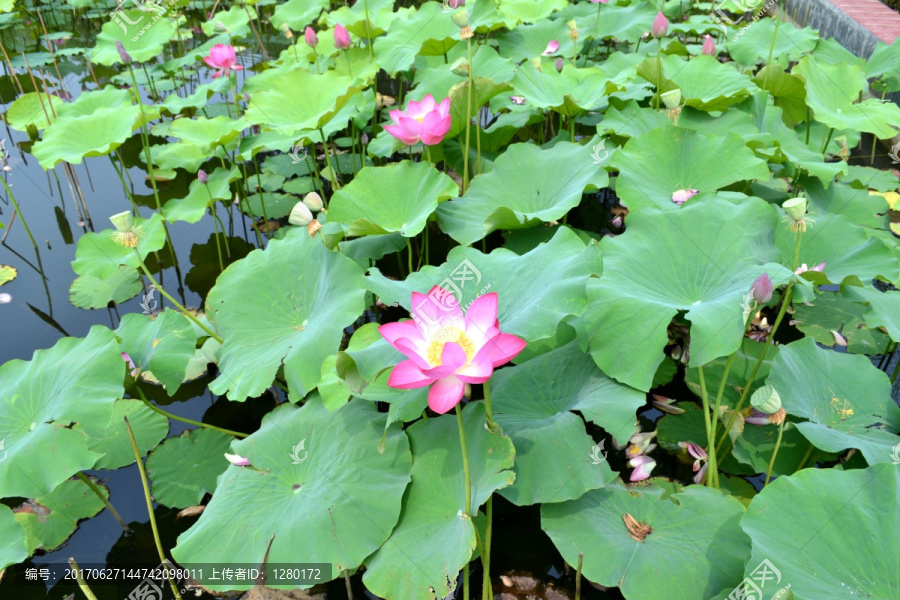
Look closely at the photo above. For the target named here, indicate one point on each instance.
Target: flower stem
(169, 415)
(82, 584)
(19, 212)
(805, 458)
(712, 474)
(658, 74)
(336, 184)
(487, 406)
(177, 304)
(774, 454)
(468, 481)
(772, 48)
(143, 471)
(465, 180)
(87, 481)
(578, 576)
(487, 591)
(371, 43)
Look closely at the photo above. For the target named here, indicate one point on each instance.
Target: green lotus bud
(460, 18)
(672, 99)
(795, 208)
(460, 67)
(123, 221)
(313, 201)
(766, 400)
(300, 215)
(572, 24)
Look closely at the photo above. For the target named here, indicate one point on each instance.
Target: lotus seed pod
(766, 400)
(671, 99)
(795, 208)
(123, 221)
(460, 18)
(313, 201)
(300, 215)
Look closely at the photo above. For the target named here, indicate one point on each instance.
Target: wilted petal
(552, 47)
(236, 460)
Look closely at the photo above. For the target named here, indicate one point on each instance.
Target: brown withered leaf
(190, 511)
(637, 531)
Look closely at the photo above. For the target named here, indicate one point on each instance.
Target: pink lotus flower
(312, 40)
(447, 350)
(700, 456)
(709, 46)
(238, 461)
(660, 26)
(682, 196)
(803, 268)
(552, 47)
(223, 58)
(134, 370)
(426, 121)
(341, 37)
(762, 288)
(643, 466)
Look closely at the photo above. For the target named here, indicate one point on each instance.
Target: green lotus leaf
(185, 468)
(298, 13)
(426, 30)
(857, 205)
(523, 189)
(656, 164)
(149, 428)
(483, 91)
(142, 33)
(323, 96)
(182, 155)
(371, 247)
(526, 42)
(336, 491)
(695, 537)
(197, 364)
(15, 546)
(707, 84)
(162, 345)
(788, 90)
(832, 91)
(107, 271)
(7, 6)
(756, 42)
(870, 178)
(826, 532)
(276, 205)
(203, 132)
(755, 446)
(700, 259)
(535, 290)
(743, 365)
(233, 21)
(51, 518)
(175, 104)
(381, 15)
(569, 92)
(796, 151)
(844, 247)
(631, 120)
(7, 274)
(29, 109)
(623, 22)
(93, 125)
(52, 405)
(434, 539)
(192, 207)
(397, 198)
(534, 403)
(312, 294)
(883, 311)
(846, 399)
(884, 64)
(530, 11)
(834, 312)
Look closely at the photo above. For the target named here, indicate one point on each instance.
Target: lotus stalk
(87, 481)
(468, 488)
(82, 584)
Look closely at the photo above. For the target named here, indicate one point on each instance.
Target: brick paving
(881, 21)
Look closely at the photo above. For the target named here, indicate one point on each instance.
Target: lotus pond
(474, 299)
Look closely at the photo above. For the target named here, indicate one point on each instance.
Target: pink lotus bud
(202, 177)
(238, 461)
(682, 196)
(559, 65)
(518, 100)
(364, 139)
(709, 47)
(312, 40)
(660, 26)
(762, 288)
(123, 54)
(341, 37)
(552, 47)
(616, 222)
(456, 3)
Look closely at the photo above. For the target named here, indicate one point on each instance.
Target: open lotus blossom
(709, 46)
(803, 268)
(700, 458)
(681, 196)
(238, 461)
(341, 37)
(446, 349)
(552, 47)
(426, 121)
(660, 26)
(643, 466)
(223, 58)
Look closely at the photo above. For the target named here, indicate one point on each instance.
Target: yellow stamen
(449, 334)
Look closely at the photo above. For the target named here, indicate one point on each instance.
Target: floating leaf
(149, 428)
(832, 311)
(185, 468)
(7, 274)
(15, 546)
(51, 518)
(162, 345)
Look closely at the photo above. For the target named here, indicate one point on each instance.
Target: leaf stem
(578, 576)
(94, 488)
(82, 584)
(465, 179)
(468, 485)
(712, 478)
(169, 415)
(775, 453)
